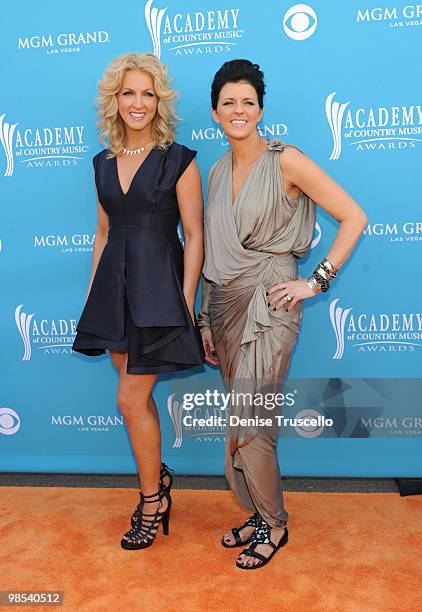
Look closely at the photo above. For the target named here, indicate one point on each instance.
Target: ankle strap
(154, 497)
(158, 494)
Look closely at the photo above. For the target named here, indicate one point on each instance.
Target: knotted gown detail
(136, 303)
(252, 244)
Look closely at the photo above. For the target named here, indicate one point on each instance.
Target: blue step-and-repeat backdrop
(343, 84)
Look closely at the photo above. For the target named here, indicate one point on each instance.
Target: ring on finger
(287, 298)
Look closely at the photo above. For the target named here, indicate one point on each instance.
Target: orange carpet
(346, 552)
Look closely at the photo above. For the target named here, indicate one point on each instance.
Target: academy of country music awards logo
(63, 42)
(317, 235)
(212, 429)
(193, 33)
(377, 128)
(48, 336)
(45, 147)
(65, 243)
(375, 332)
(398, 233)
(403, 15)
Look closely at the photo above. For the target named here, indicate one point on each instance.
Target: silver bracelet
(323, 272)
(313, 285)
(322, 276)
(329, 266)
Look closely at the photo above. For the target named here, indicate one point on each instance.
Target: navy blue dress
(136, 303)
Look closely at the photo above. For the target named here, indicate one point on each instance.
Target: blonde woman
(140, 304)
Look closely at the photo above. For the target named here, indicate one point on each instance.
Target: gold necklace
(137, 151)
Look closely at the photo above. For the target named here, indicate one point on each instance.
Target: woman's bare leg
(119, 361)
(133, 397)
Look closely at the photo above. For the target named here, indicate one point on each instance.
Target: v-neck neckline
(133, 177)
(243, 185)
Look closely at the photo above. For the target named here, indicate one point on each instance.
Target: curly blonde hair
(109, 120)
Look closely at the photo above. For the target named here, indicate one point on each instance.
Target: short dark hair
(234, 72)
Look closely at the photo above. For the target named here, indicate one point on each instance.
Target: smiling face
(137, 102)
(238, 110)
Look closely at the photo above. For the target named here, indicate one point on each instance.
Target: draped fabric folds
(252, 244)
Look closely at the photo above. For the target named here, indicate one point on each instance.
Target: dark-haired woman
(260, 218)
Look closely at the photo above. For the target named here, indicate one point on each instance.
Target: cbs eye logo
(300, 21)
(9, 421)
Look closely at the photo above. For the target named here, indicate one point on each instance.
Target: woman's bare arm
(100, 240)
(301, 172)
(189, 197)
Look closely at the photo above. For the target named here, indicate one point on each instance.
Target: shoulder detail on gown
(278, 146)
(177, 147)
(101, 154)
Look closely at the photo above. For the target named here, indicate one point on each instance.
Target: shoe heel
(166, 521)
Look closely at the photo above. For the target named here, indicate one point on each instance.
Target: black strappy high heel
(164, 472)
(143, 535)
(262, 535)
(252, 521)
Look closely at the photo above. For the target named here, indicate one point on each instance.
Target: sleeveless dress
(252, 244)
(136, 302)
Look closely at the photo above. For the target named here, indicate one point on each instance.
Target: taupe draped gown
(252, 244)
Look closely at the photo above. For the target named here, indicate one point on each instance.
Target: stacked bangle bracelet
(322, 276)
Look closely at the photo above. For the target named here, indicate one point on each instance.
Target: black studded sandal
(262, 535)
(143, 535)
(165, 472)
(252, 521)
